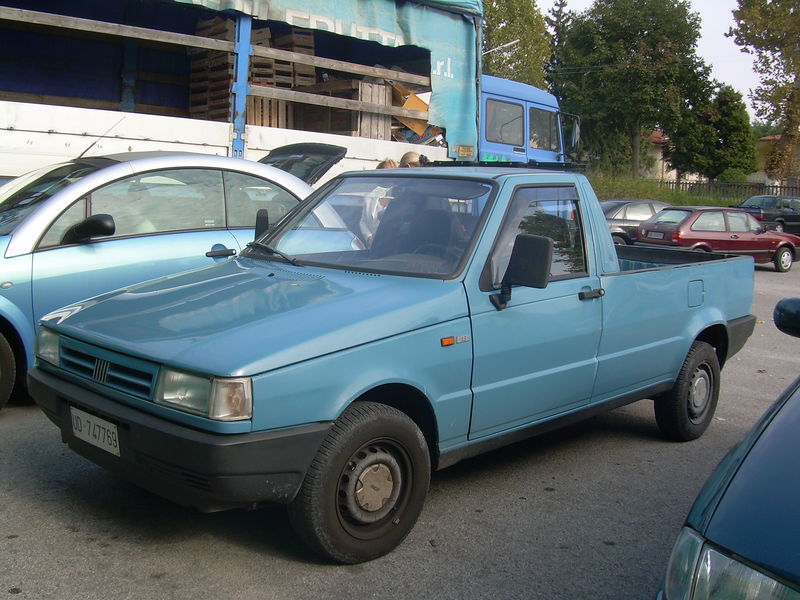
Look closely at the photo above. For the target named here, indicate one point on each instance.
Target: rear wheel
(619, 240)
(780, 227)
(365, 488)
(783, 260)
(685, 412)
(8, 371)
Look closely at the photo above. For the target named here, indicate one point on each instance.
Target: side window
(504, 122)
(72, 216)
(638, 212)
(544, 130)
(163, 201)
(245, 195)
(739, 222)
(709, 221)
(549, 212)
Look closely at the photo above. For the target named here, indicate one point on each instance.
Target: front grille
(117, 371)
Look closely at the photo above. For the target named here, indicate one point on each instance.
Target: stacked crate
(300, 41)
(343, 121)
(268, 112)
(211, 73)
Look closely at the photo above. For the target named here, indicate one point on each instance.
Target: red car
(719, 229)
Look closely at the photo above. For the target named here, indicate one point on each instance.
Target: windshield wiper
(271, 250)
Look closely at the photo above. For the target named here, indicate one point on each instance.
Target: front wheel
(685, 412)
(783, 260)
(365, 488)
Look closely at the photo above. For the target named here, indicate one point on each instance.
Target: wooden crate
(268, 112)
(300, 41)
(342, 121)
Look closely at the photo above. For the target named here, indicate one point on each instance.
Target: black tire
(780, 227)
(8, 371)
(783, 259)
(619, 240)
(685, 412)
(333, 514)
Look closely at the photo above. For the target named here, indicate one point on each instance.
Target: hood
(246, 316)
(753, 509)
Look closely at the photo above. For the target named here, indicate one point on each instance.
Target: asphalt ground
(590, 511)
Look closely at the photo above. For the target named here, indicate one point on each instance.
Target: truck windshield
(407, 225)
(20, 196)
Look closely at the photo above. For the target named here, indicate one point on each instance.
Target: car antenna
(90, 146)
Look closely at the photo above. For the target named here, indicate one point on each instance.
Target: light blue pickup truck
(449, 312)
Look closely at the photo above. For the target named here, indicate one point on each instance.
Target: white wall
(36, 135)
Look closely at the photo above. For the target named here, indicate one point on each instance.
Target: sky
(728, 63)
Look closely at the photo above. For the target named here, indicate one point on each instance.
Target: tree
(770, 29)
(714, 138)
(628, 67)
(506, 21)
(559, 21)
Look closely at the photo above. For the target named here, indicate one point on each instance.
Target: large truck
(186, 75)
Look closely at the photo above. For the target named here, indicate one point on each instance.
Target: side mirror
(96, 225)
(262, 222)
(529, 266)
(787, 316)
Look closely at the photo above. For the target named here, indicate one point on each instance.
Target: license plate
(656, 235)
(94, 430)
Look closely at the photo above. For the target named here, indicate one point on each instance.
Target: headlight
(216, 398)
(698, 571)
(48, 344)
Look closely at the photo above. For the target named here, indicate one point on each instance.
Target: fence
(730, 193)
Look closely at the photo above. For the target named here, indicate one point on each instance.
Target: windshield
(21, 195)
(404, 225)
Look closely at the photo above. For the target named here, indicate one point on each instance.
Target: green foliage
(627, 67)
(761, 129)
(608, 187)
(713, 138)
(732, 176)
(506, 21)
(770, 29)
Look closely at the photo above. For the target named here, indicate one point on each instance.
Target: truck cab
(522, 123)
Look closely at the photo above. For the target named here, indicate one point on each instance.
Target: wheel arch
(415, 405)
(717, 337)
(10, 332)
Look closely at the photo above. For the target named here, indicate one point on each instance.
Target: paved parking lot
(587, 512)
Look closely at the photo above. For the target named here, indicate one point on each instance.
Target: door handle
(591, 294)
(218, 253)
(734, 237)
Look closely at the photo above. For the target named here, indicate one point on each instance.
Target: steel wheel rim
(700, 390)
(374, 488)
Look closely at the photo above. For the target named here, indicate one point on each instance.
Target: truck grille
(117, 371)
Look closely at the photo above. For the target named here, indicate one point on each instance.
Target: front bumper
(207, 471)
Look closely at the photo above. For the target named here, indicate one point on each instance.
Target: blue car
(91, 225)
(740, 540)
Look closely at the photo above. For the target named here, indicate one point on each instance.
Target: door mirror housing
(94, 226)
(262, 222)
(529, 266)
(787, 316)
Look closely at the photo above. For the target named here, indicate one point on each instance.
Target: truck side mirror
(96, 225)
(529, 266)
(787, 316)
(262, 222)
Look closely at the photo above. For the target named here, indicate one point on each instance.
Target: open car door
(308, 161)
